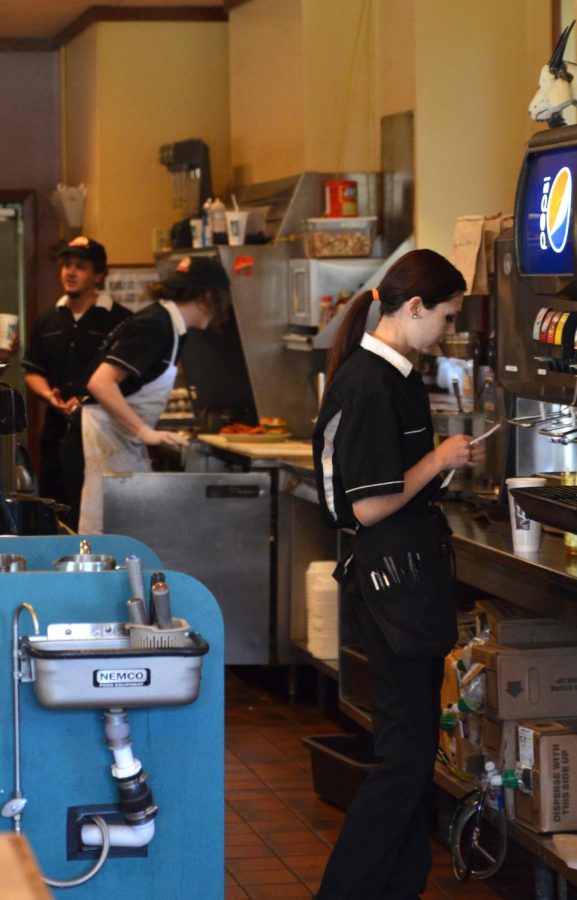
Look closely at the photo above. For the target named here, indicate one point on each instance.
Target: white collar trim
(103, 299)
(400, 362)
(176, 316)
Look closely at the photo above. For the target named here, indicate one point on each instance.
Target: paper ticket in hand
(477, 440)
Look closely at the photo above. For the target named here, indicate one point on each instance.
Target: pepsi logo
(556, 210)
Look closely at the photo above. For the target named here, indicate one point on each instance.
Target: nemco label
(121, 678)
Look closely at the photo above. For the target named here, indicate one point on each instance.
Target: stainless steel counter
(545, 583)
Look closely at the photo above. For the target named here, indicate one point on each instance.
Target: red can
(341, 198)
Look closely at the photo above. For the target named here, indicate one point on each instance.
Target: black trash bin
(340, 764)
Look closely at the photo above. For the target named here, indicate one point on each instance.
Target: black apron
(408, 585)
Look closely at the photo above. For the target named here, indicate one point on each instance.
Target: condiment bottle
(343, 299)
(569, 539)
(217, 218)
(326, 311)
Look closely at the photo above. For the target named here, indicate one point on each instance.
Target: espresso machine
(21, 513)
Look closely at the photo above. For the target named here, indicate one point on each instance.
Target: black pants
(62, 472)
(383, 851)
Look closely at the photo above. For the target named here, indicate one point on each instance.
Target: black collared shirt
(142, 346)
(61, 349)
(374, 424)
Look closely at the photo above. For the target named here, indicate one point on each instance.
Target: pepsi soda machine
(536, 310)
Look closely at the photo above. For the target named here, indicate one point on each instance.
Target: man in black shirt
(64, 341)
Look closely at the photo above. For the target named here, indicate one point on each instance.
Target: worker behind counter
(64, 341)
(379, 474)
(135, 374)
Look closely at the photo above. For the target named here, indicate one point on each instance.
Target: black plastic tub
(340, 764)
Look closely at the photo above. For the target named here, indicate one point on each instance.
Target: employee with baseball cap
(63, 343)
(135, 375)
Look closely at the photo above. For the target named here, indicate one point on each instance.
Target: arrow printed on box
(514, 688)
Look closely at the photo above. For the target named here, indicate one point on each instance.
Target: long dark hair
(419, 273)
(217, 301)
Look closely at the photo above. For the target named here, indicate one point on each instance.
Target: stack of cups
(322, 596)
(526, 532)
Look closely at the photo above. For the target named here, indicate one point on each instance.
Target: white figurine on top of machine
(557, 86)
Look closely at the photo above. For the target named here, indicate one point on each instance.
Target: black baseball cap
(86, 248)
(198, 272)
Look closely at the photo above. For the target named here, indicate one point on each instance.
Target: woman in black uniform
(132, 378)
(378, 474)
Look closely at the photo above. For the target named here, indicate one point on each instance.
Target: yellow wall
(477, 67)
(131, 87)
(81, 119)
(295, 85)
(310, 80)
(267, 94)
(468, 69)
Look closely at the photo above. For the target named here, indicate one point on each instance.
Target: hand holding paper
(477, 440)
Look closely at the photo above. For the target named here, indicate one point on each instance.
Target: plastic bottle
(518, 778)
(325, 311)
(343, 299)
(449, 719)
(472, 697)
(206, 227)
(218, 221)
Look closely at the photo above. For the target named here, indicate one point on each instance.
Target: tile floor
(278, 831)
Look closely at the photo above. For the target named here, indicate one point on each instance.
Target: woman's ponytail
(349, 334)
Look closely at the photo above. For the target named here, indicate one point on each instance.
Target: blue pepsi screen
(545, 220)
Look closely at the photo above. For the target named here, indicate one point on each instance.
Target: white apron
(108, 447)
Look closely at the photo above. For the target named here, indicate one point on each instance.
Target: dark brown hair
(419, 273)
(216, 301)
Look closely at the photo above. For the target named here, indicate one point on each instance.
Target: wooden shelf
(540, 846)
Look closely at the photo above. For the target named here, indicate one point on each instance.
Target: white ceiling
(42, 19)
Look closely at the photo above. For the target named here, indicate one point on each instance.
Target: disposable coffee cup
(526, 532)
(8, 328)
(236, 221)
(196, 233)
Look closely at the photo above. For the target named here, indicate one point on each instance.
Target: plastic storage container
(333, 237)
(340, 763)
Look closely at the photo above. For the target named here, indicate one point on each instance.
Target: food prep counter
(267, 449)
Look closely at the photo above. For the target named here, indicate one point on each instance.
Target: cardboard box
(499, 741)
(529, 682)
(549, 750)
(511, 625)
